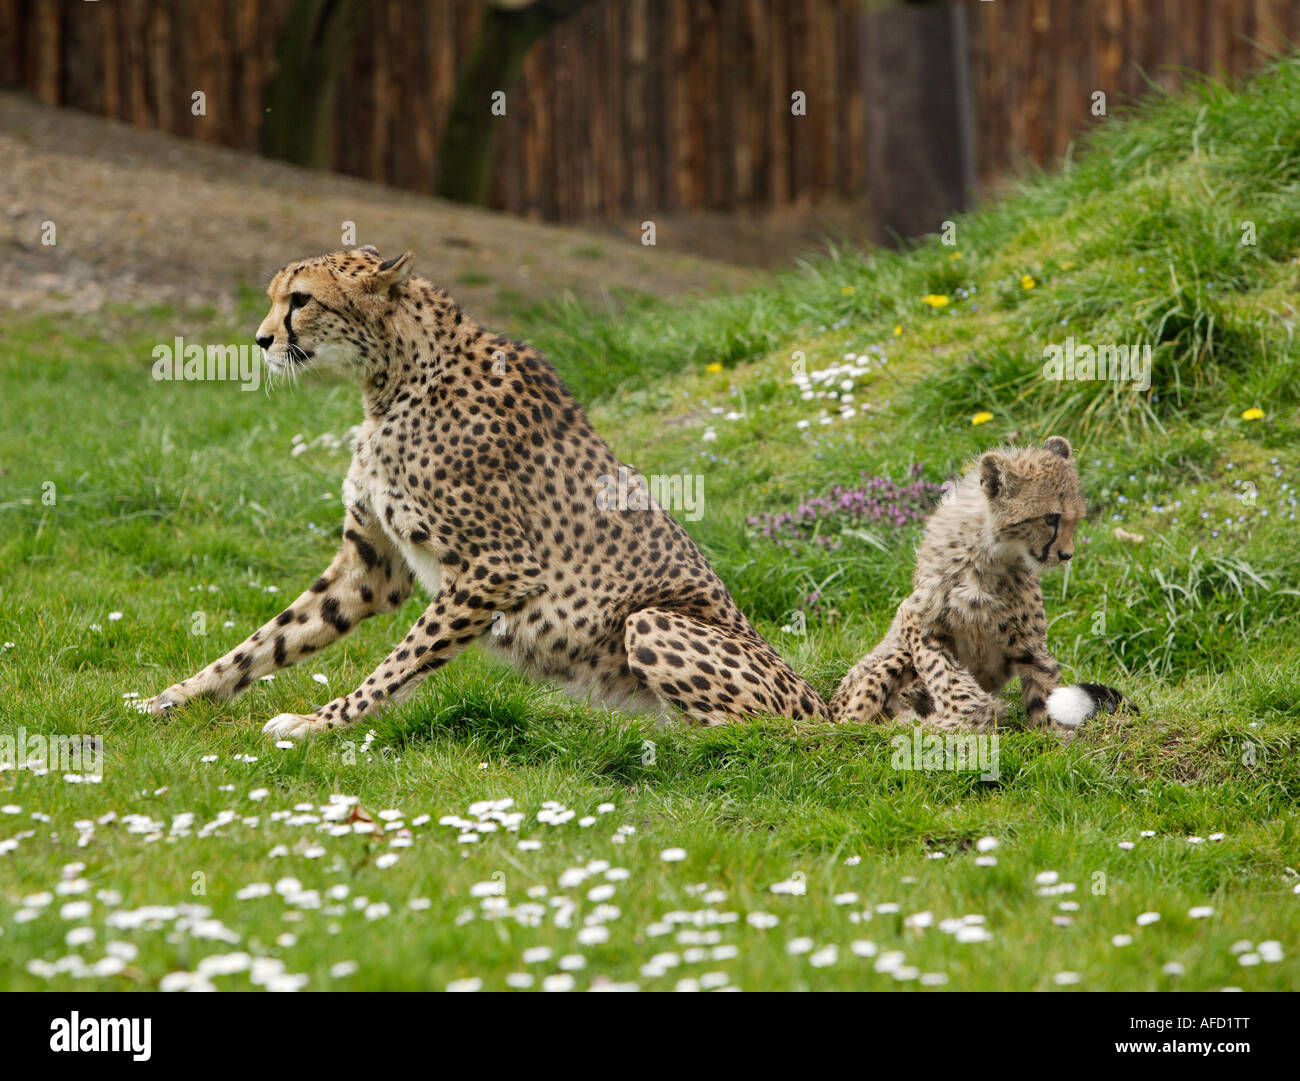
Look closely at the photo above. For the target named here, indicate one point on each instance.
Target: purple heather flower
(877, 500)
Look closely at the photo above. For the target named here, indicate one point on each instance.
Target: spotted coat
(476, 474)
(975, 618)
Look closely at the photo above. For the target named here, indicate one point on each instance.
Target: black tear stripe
(301, 354)
(1047, 548)
(288, 328)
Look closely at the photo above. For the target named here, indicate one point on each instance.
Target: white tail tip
(1070, 706)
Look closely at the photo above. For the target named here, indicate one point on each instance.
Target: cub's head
(319, 307)
(1034, 501)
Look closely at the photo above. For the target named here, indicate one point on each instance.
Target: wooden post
(919, 119)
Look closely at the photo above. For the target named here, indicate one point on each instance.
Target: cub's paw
(292, 726)
(979, 717)
(161, 704)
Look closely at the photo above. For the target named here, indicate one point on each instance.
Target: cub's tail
(1073, 705)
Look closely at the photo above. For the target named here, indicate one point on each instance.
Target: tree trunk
(312, 48)
(464, 158)
(920, 131)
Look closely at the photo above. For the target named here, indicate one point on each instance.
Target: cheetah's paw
(292, 726)
(161, 704)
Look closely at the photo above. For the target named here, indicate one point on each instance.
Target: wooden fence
(632, 106)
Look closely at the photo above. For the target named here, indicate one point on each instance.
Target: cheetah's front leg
(366, 576)
(457, 616)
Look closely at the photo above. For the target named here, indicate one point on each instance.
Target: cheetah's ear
(370, 249)
(996, 477)
(1058, 445)
(390, 273)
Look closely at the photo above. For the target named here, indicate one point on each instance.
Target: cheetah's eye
(1052, 519)
(297, 300)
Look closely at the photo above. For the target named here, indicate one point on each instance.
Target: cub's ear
(1058, 445)
(390, 273)
(996, 477)
(370, 249)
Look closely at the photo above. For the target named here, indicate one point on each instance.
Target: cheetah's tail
(1073, 705)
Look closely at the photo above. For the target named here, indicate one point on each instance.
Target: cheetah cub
(476, 474)
(975, 617)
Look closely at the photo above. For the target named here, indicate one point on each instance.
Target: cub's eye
(1052, 519)
(297, 300)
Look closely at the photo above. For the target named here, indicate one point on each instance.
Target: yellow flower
(1253, 413)
(848, 290)
(954, 257)
(935, 300)
(714, 368)
(898, 331)
(981, 418)
(1026, 282)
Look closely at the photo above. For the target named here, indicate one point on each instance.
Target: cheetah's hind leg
(714, 675)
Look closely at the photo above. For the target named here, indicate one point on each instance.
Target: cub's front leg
(366, 576)
(959, 701)
(1040, 675)
(1048, 704)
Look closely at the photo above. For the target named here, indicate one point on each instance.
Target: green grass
(179, 505)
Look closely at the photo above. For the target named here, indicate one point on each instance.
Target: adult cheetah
(477, 473)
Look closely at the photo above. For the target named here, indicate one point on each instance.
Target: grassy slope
(176, 499)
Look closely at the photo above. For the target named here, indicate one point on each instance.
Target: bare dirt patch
(142, 217)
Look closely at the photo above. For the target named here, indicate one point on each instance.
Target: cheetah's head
(1034, 501)
(319, 307)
